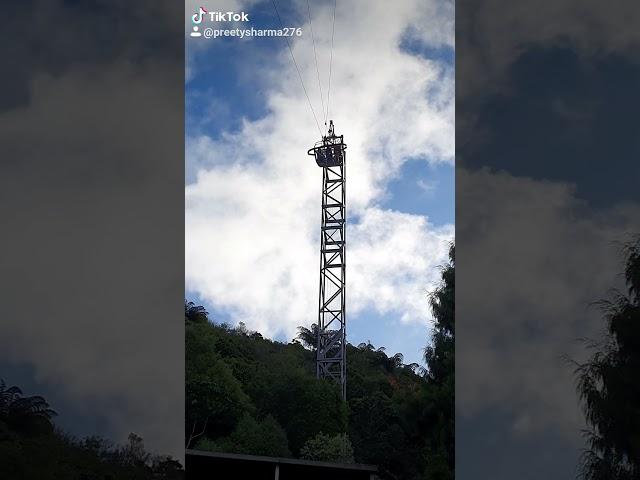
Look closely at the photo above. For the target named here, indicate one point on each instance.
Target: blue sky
(248, 127)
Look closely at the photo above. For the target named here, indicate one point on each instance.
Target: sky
(546, 194)
(253, 195)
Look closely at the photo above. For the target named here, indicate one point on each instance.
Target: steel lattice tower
(331, 347)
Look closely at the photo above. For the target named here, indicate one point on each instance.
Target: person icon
(195, 32)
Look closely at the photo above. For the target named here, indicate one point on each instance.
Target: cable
(333, 29)
(315, 55)
(297, 69)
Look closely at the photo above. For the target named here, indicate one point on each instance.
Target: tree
(327, 448)
(24, 414)
(195, 313)
(440, 359)
(265, 437)
(304, 405)
(608, 384)
(134, 453)
(440, 355)
(376, 429)
(214, 398)
(166, 468)
(308, 336)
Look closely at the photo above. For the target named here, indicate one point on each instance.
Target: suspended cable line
(315, 55)
(333, 29)
(297, 69)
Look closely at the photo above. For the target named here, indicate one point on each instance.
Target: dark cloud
(92, 208)
(565, 117)
(489, 438)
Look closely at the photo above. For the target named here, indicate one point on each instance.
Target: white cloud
(252, 214)
(394, 261)
(428, 187)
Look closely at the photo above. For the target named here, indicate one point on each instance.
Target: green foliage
(304, 405)
(195, 313)
(389, 419)
(230, 372)
(608, 384)
(439, 413)
(265, 437)
(399, 420)
(328, 448)
(214, 397)
(382, 433)
(308, 336)
(440, 355)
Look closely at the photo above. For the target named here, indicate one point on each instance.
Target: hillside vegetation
(32, 447)
(249, 394)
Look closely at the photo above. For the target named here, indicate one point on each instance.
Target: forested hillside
(249, 394)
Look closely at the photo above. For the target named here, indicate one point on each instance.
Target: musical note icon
(197, 17)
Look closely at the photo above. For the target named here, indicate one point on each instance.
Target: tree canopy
(440, 359)
(608, 384)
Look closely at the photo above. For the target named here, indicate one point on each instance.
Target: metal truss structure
(331, 342)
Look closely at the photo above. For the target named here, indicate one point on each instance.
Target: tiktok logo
(197, 17)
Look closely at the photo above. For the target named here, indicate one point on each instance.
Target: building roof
(284, 461)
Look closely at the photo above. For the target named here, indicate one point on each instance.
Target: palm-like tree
(24, 414)
(397, 360)
(380, 357)
(390, 363)
(308, 336)
(368, 346)
(195, 313)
